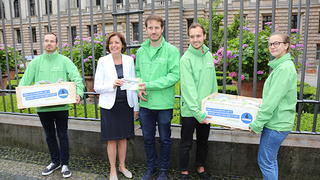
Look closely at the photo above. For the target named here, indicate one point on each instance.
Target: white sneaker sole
(66, 176)
(45, 174)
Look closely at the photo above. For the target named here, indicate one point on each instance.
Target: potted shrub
(248, 57)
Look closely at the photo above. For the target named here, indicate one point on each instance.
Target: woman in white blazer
(118, 108)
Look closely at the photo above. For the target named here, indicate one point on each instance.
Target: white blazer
(106, 75)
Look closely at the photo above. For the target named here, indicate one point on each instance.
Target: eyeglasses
(275, 44)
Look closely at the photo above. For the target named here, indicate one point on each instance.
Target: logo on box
(246, 118)
(63, 93)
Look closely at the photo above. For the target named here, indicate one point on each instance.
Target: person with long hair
(275, 117)
(118, 108)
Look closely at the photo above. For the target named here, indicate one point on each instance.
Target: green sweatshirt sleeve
(189, 90)
(137, 69)
(74, 76)
(29, 75)
(279, 86)
(171, 78)
(215, 82)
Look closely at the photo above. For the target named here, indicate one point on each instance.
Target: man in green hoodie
(158, 66)
(50, 66)
(197, 80)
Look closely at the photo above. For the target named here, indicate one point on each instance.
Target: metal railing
(128, 9)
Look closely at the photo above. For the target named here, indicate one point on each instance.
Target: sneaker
(183, 176)
(149, 174)
(204, 175)
(66, 171)
(162, 175)
(52, 167)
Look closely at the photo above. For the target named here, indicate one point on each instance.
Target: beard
(155, 40)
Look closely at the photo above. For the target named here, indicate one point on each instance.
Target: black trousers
(202, 134)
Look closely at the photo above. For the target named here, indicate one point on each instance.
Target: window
(95, 30)
(98, 2)
(4, 14)
(35, 52)
(164, 32)
(78, 3)
(50, 6)
(120, 1)
(189, 21)
(135, 31)
(266, 19)
(34, 35)
(18, 35)
(1, 37)
(318, 51)
(294, 22)
(47, 28)
(73, 34)
(32, 8)
(16, 8)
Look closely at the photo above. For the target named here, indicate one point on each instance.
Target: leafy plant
(218, 28)
(11, 58)
(248, 49)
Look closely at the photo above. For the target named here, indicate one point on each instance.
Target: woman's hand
(117, 82)
(135, 114)
(251, 130)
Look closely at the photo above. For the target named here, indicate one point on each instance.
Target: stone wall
(230, 152)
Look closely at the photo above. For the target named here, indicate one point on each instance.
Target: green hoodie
(51, 67)
(160, 72)
(278, 109)
(198, 80)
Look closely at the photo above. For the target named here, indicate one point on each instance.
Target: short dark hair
(194, 25)
(154, 17)
(122, 39)
(51, 34)
(285, 37)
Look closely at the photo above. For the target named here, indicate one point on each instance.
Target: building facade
(28, 13)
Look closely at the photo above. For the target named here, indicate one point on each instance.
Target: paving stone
(25, 164)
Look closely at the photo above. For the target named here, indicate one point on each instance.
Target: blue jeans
(148, 119)
(270, 143)
(50, 122)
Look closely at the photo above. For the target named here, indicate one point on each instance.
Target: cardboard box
(46, 95)
(230, 115)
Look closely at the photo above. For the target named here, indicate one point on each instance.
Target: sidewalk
(23, 164)
(310, 78)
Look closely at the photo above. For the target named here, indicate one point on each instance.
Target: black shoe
(49, 169)
(183, 176)
(204, 175)
(66, 171)
(149, 174)
(162, 175)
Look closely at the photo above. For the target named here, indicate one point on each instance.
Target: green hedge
(306, 118)
(309, 93)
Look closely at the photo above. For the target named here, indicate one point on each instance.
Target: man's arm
(189, 90)
(74, 76)
(29, 75)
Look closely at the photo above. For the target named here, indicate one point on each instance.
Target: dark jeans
(202, 134)
(50, 122)
(148, 119)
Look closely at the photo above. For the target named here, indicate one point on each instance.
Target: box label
(55, 94)
(226, 114)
